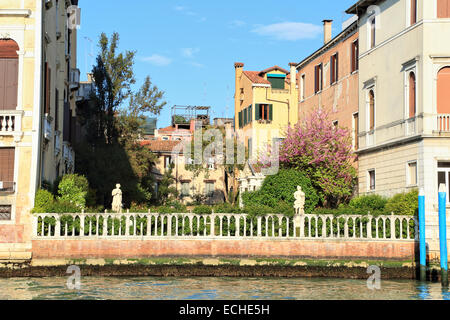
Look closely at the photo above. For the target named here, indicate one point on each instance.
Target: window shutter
(240, 119)
(271, 112)
(245, 117)
(250, 114)
(56, 110)
(316, 79)
(337, 66)
(47, 88)
(257, 112)
(7, 166)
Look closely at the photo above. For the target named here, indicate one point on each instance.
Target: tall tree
(113, 120)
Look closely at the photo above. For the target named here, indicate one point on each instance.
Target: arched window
(443, 91)
(412, 95)
(9, 73)
(371, 110)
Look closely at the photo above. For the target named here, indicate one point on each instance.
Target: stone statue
(299, 204)
(117, 199)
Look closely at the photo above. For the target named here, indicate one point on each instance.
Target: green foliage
(369, 203)
(113, 120)
(203, 210)
(166, 191)
(404, 203)
(226, 208)
(74, 189)
(281, 188)
(43, 201)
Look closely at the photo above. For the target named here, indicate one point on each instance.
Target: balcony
(57, 143)
(443, 122)
(74, 79)
(11, 123)
(48, 131)
(84, 91)
(7, 187)
(68, 155)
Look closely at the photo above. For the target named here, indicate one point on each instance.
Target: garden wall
(317, 249)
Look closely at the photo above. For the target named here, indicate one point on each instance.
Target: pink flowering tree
(325, 154)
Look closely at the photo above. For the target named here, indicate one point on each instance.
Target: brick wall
(83, 249)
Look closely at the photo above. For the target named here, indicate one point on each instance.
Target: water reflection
(149, 288)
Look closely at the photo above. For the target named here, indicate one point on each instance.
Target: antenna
(90, 54)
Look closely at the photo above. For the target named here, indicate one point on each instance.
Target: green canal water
(150, 288)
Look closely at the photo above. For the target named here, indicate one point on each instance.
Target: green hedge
(280, 188)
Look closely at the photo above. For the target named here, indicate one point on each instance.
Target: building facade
(207, 185)
(266, 103)
(37, 82)
(404, 100)
(328, 79)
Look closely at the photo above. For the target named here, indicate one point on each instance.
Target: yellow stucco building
(266, 103)
(38, 80)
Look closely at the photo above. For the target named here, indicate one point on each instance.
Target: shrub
(60, 206)
(404, 203)
(202, 210)
(74, 189)
(43, 201)
(226, 208)
(281, 188)
(370, 203)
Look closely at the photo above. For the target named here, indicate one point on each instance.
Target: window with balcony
(318, 78)
(9, 73)
(355, 56)
(444, 177)
(443, 99)
(7, 157)
(334, 63)
(443, 9)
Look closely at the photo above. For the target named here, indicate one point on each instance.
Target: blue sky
(189, 47)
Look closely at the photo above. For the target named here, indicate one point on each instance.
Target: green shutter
(240, 119)
(250, 114)
(271, 112)
(257, 114)
(245, 117)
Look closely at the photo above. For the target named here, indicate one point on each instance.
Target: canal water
(151, 288)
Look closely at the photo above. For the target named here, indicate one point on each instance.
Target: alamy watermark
(374, 281)
(73, 17)
(74, 280)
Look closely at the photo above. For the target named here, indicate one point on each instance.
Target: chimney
(327, 31)
(293, 75)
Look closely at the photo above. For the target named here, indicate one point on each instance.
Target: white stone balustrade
(10, 122)
(223, 226)
(443, 122)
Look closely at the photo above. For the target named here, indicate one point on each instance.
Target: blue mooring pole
(443, 233)
(423, 244)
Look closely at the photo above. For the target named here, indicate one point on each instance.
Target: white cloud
(189, 52)
(158, 60)
(179, 8)
(196, 64)
(237, 23)
(290, 31)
